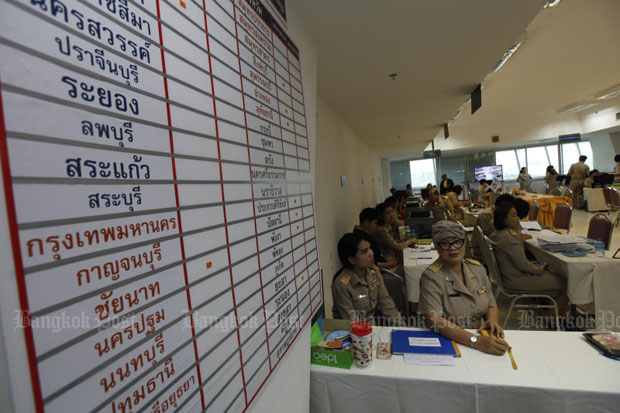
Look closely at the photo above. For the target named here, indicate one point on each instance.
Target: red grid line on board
(247, 139)
(19, 265)
(288, 205)
(219, 157)
(176, 196)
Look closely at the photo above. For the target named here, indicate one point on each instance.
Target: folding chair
(489, 257)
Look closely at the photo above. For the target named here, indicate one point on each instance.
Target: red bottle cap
(361, 328)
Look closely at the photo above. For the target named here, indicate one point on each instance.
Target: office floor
(520, 319)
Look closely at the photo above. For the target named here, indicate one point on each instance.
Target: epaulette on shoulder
(513, 232)
(345, 279)
(471, 260)
(436, 266)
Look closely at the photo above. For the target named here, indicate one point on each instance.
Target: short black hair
(380, 210)
(505, 198)
(347, 247)
(522, 207)
(617, 158)
(583, 158)
(368, 214)
(482, 181)
(501, 213)
(457, 189)
(593, 171)
(391, 200)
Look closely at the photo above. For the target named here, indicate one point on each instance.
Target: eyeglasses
(456, 244)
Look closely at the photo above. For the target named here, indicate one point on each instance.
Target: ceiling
(441, 49)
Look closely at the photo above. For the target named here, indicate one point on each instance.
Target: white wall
(340, 153)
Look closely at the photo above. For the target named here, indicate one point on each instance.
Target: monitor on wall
(490, 173)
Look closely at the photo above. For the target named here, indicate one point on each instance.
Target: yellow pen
(512, 359)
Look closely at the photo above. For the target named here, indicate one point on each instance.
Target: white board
(158, 191)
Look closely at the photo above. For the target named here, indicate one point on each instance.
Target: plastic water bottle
(599, 248)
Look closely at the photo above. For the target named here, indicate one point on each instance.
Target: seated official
(455, 293)
(517, 272)
(395, 222)
(484, 220)
(390, 248)
(440, 206)
(484, 197)
(368, 224)
(359, 292)
(589, 181)
(453, 197)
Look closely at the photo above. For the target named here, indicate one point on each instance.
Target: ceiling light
(456, 115)
(552, 3)
(608, 93)
(576, 107)
(511, 50)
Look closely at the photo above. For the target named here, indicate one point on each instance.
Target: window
(540, 157)
(571, 153)
(512, 161)
(422, 173)
(454, 167)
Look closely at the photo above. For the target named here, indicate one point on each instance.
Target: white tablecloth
(558, 372)
(595, 198)
(590, 279)
(415, 262)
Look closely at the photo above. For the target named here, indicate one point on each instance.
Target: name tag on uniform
(482, 290)
(454, 295)
(359, 297)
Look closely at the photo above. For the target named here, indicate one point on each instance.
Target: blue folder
(400, 343)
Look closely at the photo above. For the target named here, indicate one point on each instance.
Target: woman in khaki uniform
(359, 292)
(455, 293)
(518, 273)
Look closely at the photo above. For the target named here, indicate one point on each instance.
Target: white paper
(530, 225)
(429, 360)
(424, 342)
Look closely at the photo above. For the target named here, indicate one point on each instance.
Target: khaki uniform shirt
(551, 180)
(360, 298)
(510, 254)
(440, 209)
(578, 172)
(390, 248)
(464, 303)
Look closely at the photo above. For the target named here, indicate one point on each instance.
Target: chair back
(488, 255)
(556, 191)
(615, 198)
(600, 227)
(533, 216)
(395, 286)
(473, 195)
(562, 216)
(607, 196)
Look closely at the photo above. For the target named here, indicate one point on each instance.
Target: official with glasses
(455, 293)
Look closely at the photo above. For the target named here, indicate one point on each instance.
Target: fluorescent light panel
(576, 107)
(502, 61)
(608, 93)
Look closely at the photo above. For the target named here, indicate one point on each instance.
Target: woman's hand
(525, 237)
(491, 345)
(493, 327)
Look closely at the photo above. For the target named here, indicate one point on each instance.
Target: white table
(590, 279)
(595, 199)
(558, 372)
(415, 261)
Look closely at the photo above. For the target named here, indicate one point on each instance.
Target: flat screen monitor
(490, 173)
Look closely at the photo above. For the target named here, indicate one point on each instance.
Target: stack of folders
(424, 348)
